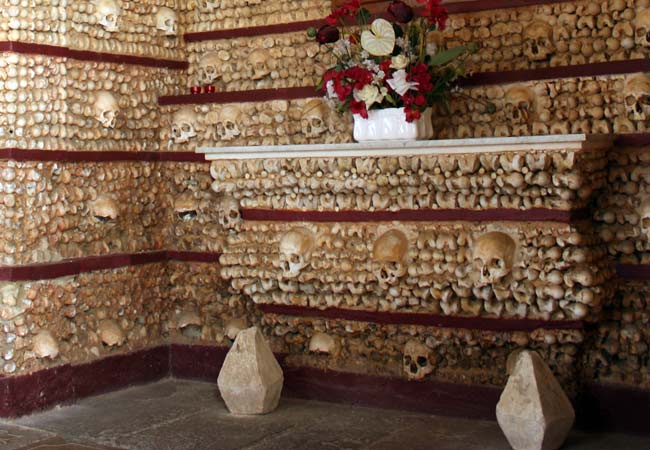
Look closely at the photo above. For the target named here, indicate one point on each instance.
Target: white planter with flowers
(390, 124)
(388, 73)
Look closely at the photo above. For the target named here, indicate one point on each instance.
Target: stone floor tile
(14, 437)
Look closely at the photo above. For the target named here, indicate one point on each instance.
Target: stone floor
(187, 415)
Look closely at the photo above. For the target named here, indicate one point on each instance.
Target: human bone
(533, 411)
(108, 14)
(637, 97)
(186, 206)
(538, 41)
(104, 208)
(314, 118)
(228, 123)
(519, 104)
(323, 343)
(209, 69)
(390, 251)
(295, 250)
(44, 345)
(166, 21)
(185, 124)
(229, 216)
(234, 326)
(189, 322)
(258, 62)
(106, 109)
(642, 28)
(493, 256)
(416, 360)
(250, 380)
(111, 333)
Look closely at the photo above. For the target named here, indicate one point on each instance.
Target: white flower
(432, 48)
(369, 94)
(330, 89)
(399, 84)
(399, 62)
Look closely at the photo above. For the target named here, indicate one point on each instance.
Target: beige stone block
(251, 379)
(533, 412)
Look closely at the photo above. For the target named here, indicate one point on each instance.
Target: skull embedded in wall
(111, 333)
(389, 253)
(258, 63)
(637, 97)
(538, 41)
(186, 207)
(644, 215)
(493, 258)
(519, 104)
(209, 68)
(44, 345)
(295, 251)
(106, 109)
(189, 323)
(166, 21)
(323, 343)
(185, 124)
(104, 208)
(207, 5)
(229, 216)
(108, 13)
(642, 28)
(416, 361)
(227, 124)
(314, 118)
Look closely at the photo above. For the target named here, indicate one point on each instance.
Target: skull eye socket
(233, 215)
(422, 361)
(295, 259)
(407, 360)
(185, 128)
(645, 100)
(315, 122)
(630, 100)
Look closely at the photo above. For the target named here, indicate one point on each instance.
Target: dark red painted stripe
(256, 95)
(84, 55)
(633, 140)
(429, 320)
(202, 257)
(25, 394)
(97, 156)
(48, 271)
(253, 31)
(547, 73)
(418, 215)
(633, 271)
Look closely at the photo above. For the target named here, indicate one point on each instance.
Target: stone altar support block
(251, 379)
(533, 412)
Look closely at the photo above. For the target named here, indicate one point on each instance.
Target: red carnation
(327, 34)
(358, 107)
(436, 15)
(400, 11)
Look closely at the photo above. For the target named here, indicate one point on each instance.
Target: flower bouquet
(388, 71)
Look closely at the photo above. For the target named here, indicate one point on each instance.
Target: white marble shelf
(411, 148)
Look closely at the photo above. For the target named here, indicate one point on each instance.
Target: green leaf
(446, 56)
(363, 16)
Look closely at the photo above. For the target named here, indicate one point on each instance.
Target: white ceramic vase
(390, 124)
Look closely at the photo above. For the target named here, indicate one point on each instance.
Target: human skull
(644, 215)
(538, 41)
(229, 216)
(106, 109)
(233, 327)
(111, 333)
(642, 28)
(166, 21)
(389, 253)
(520, 104)
(323, 343)
(207, 5)
(637, 97)
(415, 360)
(493, 258)
(295, 251)
(44, 345)
(314, 118)
(227, 124)
(258, 62)
(209, 68)
(185, 123)
(186, 207)
(108, 14)
(104, 208)
(189, 323)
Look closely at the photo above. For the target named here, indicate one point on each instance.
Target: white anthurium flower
(369, 94)
(399, 84)
(330, 89)
(380, 39)
(399, 62)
